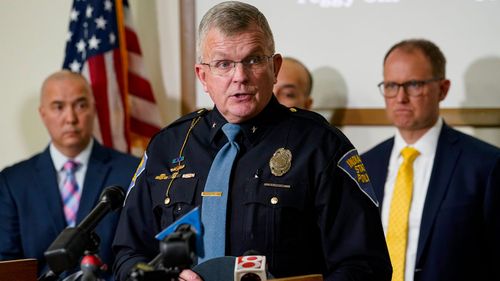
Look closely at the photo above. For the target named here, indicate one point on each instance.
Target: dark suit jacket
(31, 210)
(460, 229)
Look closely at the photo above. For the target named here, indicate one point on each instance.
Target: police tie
(397, 233)
(213, 214)
(69, 192)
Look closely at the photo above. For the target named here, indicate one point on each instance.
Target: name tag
(211, 193)
(268, 184)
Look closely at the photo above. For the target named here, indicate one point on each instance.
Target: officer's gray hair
(231, 18)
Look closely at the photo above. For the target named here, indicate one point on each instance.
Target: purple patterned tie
(70, 194)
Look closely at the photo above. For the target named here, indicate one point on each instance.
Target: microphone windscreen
(216, 269)
(114, 195)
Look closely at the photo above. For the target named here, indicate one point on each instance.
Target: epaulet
(301, 113)
(189, 116)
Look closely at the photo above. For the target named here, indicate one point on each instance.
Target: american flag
(103, 46)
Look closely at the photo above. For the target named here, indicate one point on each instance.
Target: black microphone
(66, 250)
(111, 199)
(216, 269)
(180, 242)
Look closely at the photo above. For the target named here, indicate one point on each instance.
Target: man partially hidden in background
(294, 84)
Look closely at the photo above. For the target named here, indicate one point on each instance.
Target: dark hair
(429, 49)
(230, 18)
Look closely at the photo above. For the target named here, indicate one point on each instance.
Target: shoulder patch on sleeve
(352, 165)
(138, 172)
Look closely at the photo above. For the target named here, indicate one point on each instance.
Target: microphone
(179, 244)
(243, 268)
(191, 219)
(111, 199)
(250, 268)
(216, 269)
(189, 224)
(69, 246)
(91, 267)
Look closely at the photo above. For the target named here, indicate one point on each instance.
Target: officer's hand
(189, 275)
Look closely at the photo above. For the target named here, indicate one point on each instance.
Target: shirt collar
(58, 158)
(254, 128)
(426, 144)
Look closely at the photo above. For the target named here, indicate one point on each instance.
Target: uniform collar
(254, 128)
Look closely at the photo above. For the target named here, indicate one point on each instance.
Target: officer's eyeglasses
(226, 67)
(413, 88)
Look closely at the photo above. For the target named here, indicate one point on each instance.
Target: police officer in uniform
(298, 192)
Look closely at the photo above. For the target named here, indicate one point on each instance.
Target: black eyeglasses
(226, 67)
(413, 88)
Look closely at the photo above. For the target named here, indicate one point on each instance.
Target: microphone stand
(49, 276)
(177, 252)
(92, 245)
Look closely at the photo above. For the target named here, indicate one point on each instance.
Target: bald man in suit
(32, 212)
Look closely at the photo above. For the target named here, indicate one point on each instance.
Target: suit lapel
(444, 163)
(48, 189)
(97, 171)
(382, 170)
(378, 167)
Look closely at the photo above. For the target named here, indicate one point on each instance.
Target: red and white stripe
(123, 113)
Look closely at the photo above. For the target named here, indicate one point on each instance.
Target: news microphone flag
(103, 46)
(192, 218)
(250, 268)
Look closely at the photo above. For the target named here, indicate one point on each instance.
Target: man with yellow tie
(439, 188)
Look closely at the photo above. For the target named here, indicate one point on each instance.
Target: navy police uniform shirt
(298, 194)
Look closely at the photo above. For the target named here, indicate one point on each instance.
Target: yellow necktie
(397, 233)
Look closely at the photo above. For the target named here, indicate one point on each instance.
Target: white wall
(33, 36)
(343, 42)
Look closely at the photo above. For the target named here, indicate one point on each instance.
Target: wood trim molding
(188, 55)
(475, 117)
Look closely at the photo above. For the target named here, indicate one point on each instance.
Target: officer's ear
(277, 61)
(201, 73)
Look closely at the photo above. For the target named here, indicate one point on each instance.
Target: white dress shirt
(422, 169)
(59, 159)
